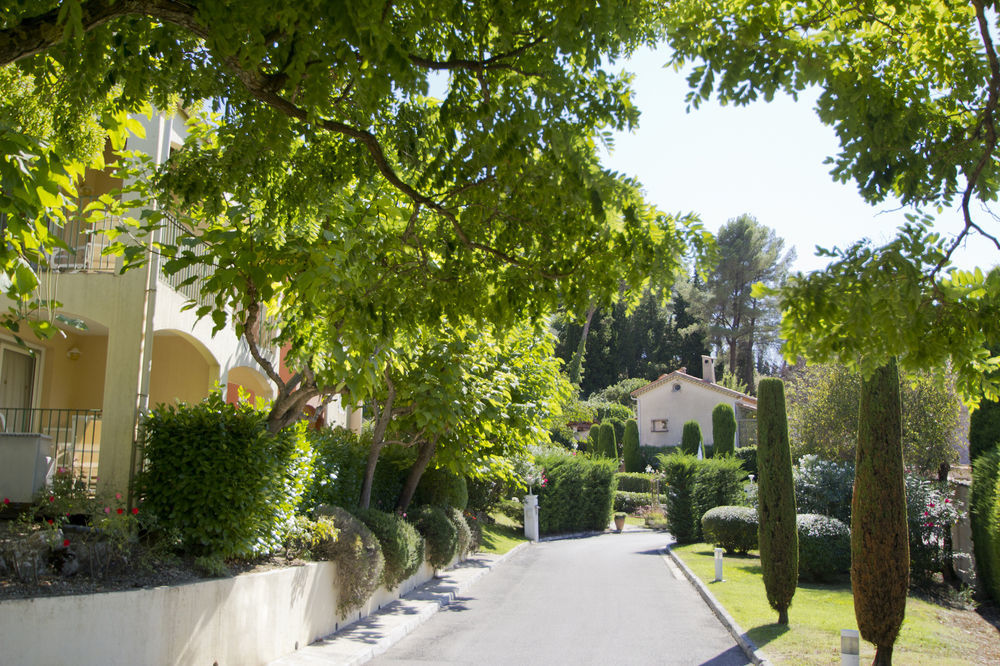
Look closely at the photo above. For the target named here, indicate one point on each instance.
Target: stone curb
(752, 652)
(362, 641)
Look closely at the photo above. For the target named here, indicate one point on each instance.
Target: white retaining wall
(241, 621)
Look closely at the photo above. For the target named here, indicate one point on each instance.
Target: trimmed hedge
(579, 495)
(650, 455)
(358, 556)
(462, 531)
(339, 469)
(215, 477)
(731, 527)
(439, 531)
(717, 482)
(984, 505)
(635, 482)
(629, 502)
(679, 473)
(442, 487)
(630, 448)
(824, 547)
(747, 455)
(724, 429)
(402, 546)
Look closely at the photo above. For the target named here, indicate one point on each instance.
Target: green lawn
(502, 536)
(818, 613)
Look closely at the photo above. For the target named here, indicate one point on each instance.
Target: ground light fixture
(850, 647)
(718, 565)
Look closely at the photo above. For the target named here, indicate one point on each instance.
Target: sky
(765, 159)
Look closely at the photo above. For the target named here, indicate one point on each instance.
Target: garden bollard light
(850, 644)
(718, 565)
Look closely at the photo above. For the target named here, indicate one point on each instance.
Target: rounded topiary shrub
(402, 545)
(439, 532)
(462, 530)
(731, 527)
(824, 547)
(442, 487)
(358, 555)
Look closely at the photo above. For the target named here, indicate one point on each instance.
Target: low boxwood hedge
(629, 502)
(635, 482)
(402, 545)
(733, 528)
(439, 531)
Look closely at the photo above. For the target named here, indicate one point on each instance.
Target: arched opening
(252, 383)
(183, 369)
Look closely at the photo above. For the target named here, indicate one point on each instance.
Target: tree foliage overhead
(373, 167)
(911, 88)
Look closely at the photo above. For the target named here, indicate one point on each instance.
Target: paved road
(609, 599)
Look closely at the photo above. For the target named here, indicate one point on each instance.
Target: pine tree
(633, 461)
(778, 536)
(880, 552)
(723, 430)
(691, 438)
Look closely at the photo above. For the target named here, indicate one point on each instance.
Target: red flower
(121, 511)
(135, 510)
(65, 543)
(6, 500)
(947, 501)
(926, 514)
(52, 498)
(51, 521)
(931, 505)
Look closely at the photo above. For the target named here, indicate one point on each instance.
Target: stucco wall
(690, 402)
(246, 620)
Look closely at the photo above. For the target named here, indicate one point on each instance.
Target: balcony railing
(75, 433)
(87, 241)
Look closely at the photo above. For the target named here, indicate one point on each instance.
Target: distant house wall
(677, 401)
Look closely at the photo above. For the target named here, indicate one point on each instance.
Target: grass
(817, 614)
(502, 536)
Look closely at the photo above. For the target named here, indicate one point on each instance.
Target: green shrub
(439, 531)
(635, 482)
(984, 428)
(630, 448)
(339, 470)
(442, 487)
(824, 547)
(609, 410)
(983, 500)
(486, 494)
(579, 495)
(777, 538)
(650, 455)
(629, 502)
(607, 444)
(724, 429)
(215, 477)
(462, 531)
(717, 482)
(358, 555)
(930, 513)
(618, 426)
(731, 527)
(402, 546)
(707, 450)
(679, 472)
(747, 455)
(477, 532)
(824, 487)
(691, 438)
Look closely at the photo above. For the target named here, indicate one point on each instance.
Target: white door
(17, 389)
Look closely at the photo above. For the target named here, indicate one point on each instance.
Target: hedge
(439, 531)
(579, 495)
(442, 487)
(358, 555)
(724, 429)
(717, 482)
(216, 478)
(691, 438)
(984, 504)
(339, 469)
(629, 501)
(462, 532)
(402, 546)
(824, 547)
(747, 455)
(679, 471)
(635, 482)
(731, 527)
(630, 448)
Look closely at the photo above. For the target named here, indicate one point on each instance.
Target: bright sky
(765, 159)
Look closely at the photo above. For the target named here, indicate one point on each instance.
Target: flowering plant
(930, 512)
(535, 476)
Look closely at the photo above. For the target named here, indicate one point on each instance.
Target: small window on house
(659, 425)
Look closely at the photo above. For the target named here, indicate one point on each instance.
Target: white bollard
(531, 517)
(718, 565)
(850, 647)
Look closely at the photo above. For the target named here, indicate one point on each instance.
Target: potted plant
(620, 520)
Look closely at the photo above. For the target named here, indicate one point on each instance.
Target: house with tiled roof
(665, 405)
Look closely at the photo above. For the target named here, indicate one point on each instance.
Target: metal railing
(86, 240)
(171, 234)
(75, 433)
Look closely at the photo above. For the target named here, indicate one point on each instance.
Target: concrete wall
(247, 620)
(690, 402)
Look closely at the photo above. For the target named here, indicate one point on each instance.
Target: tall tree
(778, 533)
(742, 322)
(880, 555)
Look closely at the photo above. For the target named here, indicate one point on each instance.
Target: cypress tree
(691, 438)
(880, 552)
(778, 536)
(633, 461)
(723, 430)
(984, 428)
(609, 445)
(982, 506)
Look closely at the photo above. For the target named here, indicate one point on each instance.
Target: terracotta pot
(619, 523)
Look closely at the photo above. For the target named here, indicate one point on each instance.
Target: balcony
(75, 433)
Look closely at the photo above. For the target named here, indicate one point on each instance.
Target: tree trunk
(883, 656)
(378, 440)
(413, 479)
(576, 363)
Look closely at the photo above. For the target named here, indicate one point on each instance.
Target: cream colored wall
(79, 384)
(691, 402)
(180, 372)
